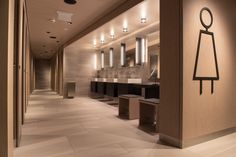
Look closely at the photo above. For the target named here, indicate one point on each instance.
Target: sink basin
(130, 80)
(138, 80)
(120, 80)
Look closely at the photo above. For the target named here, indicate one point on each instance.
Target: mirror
(130, 58)
(153, 62)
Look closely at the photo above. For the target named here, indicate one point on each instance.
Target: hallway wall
(209, 114)
(42, 74)
(79, 68)
(188, 117)
(6, 79)
(54, 73)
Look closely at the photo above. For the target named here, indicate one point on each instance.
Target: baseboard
(170, 140)
(208, 137)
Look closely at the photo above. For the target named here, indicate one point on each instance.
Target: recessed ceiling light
(53, 37)
(112, 36)
(94, 43)
(125, 30)
(71, 2)
(69, 23)
(143, 20)
(125, 26)
(52, 20)
(102, 41)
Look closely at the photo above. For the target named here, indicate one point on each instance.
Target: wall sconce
(102, 60)
(140, 51)
(95, 61)
(111, 52)
(122, 54)
(144, 50)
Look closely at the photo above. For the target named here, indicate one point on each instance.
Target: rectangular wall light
(122, 54)
(111, 53)
(102, 60)
(140, 51)
(144, 50)
(95, 62)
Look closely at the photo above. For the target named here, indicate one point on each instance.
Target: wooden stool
(148, 109)
(129, 106)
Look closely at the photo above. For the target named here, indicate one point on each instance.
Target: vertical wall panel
(43, 74)
(6, 80)
(79, 68)
(171, 71)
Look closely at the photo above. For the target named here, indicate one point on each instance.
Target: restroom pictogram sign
(206, 65)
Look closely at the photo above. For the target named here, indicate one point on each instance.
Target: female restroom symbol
(206, 65)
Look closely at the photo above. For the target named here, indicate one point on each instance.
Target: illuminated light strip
(102, 59)
(111, 57)
(95, 61)
(122, 54)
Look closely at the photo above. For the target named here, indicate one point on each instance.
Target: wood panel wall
(170, 112)
(54, 73)
(6, 80)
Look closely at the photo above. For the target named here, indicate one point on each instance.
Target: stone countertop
(152, 100)
(141, 84)
(130, 96)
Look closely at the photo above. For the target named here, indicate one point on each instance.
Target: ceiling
(150, 8)
(85, 12)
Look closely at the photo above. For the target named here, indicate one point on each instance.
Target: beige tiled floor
(83, 127)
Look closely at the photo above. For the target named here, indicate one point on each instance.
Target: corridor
(84, 127)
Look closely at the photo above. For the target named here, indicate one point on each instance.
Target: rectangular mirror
(153, 60)
(122, 54)
(130, 58)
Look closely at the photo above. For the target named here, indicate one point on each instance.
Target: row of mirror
(136, 56)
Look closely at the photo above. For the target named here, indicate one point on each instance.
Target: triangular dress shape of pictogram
(200, 48)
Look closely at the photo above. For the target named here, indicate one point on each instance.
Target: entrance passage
(84, 127)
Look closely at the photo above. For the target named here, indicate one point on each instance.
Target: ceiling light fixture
(125, 27)
(95, 43)
(71, 2)
(69, 23)
(112, 34)
(53, 37)
(125, 30)
(143, 20)
(52, 20)
(102, 39)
